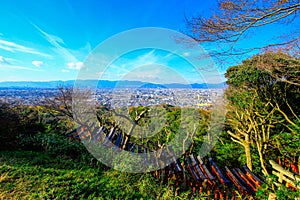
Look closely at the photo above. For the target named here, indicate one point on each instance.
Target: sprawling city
(198, 98)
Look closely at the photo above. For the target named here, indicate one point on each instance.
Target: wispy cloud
(10, 67)
(125, 65)
(58, 43)
(8, 64)
(155, 73)
(3, 60)
(75, 65)
(14, 47)
(146, 59)
(59, 47)
(151, 66)
(186, 53)
(6, 48)
(37, 63)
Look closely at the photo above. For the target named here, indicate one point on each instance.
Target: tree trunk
(248, 155)
(131, 129)
(261, 158)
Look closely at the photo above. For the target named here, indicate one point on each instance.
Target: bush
(9, 127)
(53, 144)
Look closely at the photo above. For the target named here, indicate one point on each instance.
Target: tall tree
(260, 105)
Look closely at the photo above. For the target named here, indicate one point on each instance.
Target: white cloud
(6, 48)
(154, 73)
(75, 65)
(149, 59)
(99, 73)
(7, 64)
(118, 69)
(146, 59)
(186, 53)
(3, 60)
(57, 42)
(138, 68)
(125, 65)
(9, 67)
(14, 47)
(65, 71)
(37, 63)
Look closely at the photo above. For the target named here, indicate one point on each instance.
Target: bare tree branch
(232, 22)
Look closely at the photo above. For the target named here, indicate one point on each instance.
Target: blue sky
(51, 39)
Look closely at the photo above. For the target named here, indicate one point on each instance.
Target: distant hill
(106, 84)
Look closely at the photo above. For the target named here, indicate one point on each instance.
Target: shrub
(9, 127)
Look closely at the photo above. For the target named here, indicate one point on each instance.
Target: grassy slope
(35, 175)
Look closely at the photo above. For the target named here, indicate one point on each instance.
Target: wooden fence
(193, 172)
(285, 176)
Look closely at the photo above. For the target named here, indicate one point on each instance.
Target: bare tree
(62, 102)
(76, 105)
(233, 21)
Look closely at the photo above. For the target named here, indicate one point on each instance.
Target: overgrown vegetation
(262, 124)
(41, 162)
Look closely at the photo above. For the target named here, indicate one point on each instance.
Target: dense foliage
(263, 110)
(264, 113)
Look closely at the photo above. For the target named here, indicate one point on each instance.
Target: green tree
(261, 105)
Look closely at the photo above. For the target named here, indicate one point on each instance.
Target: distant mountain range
(106, 84)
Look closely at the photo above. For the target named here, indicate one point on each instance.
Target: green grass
(36, 175)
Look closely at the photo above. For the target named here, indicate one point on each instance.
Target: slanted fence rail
(285, 176)
(220, 183)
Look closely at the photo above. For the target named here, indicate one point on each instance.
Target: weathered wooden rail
(285, 176)
(191, 172)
